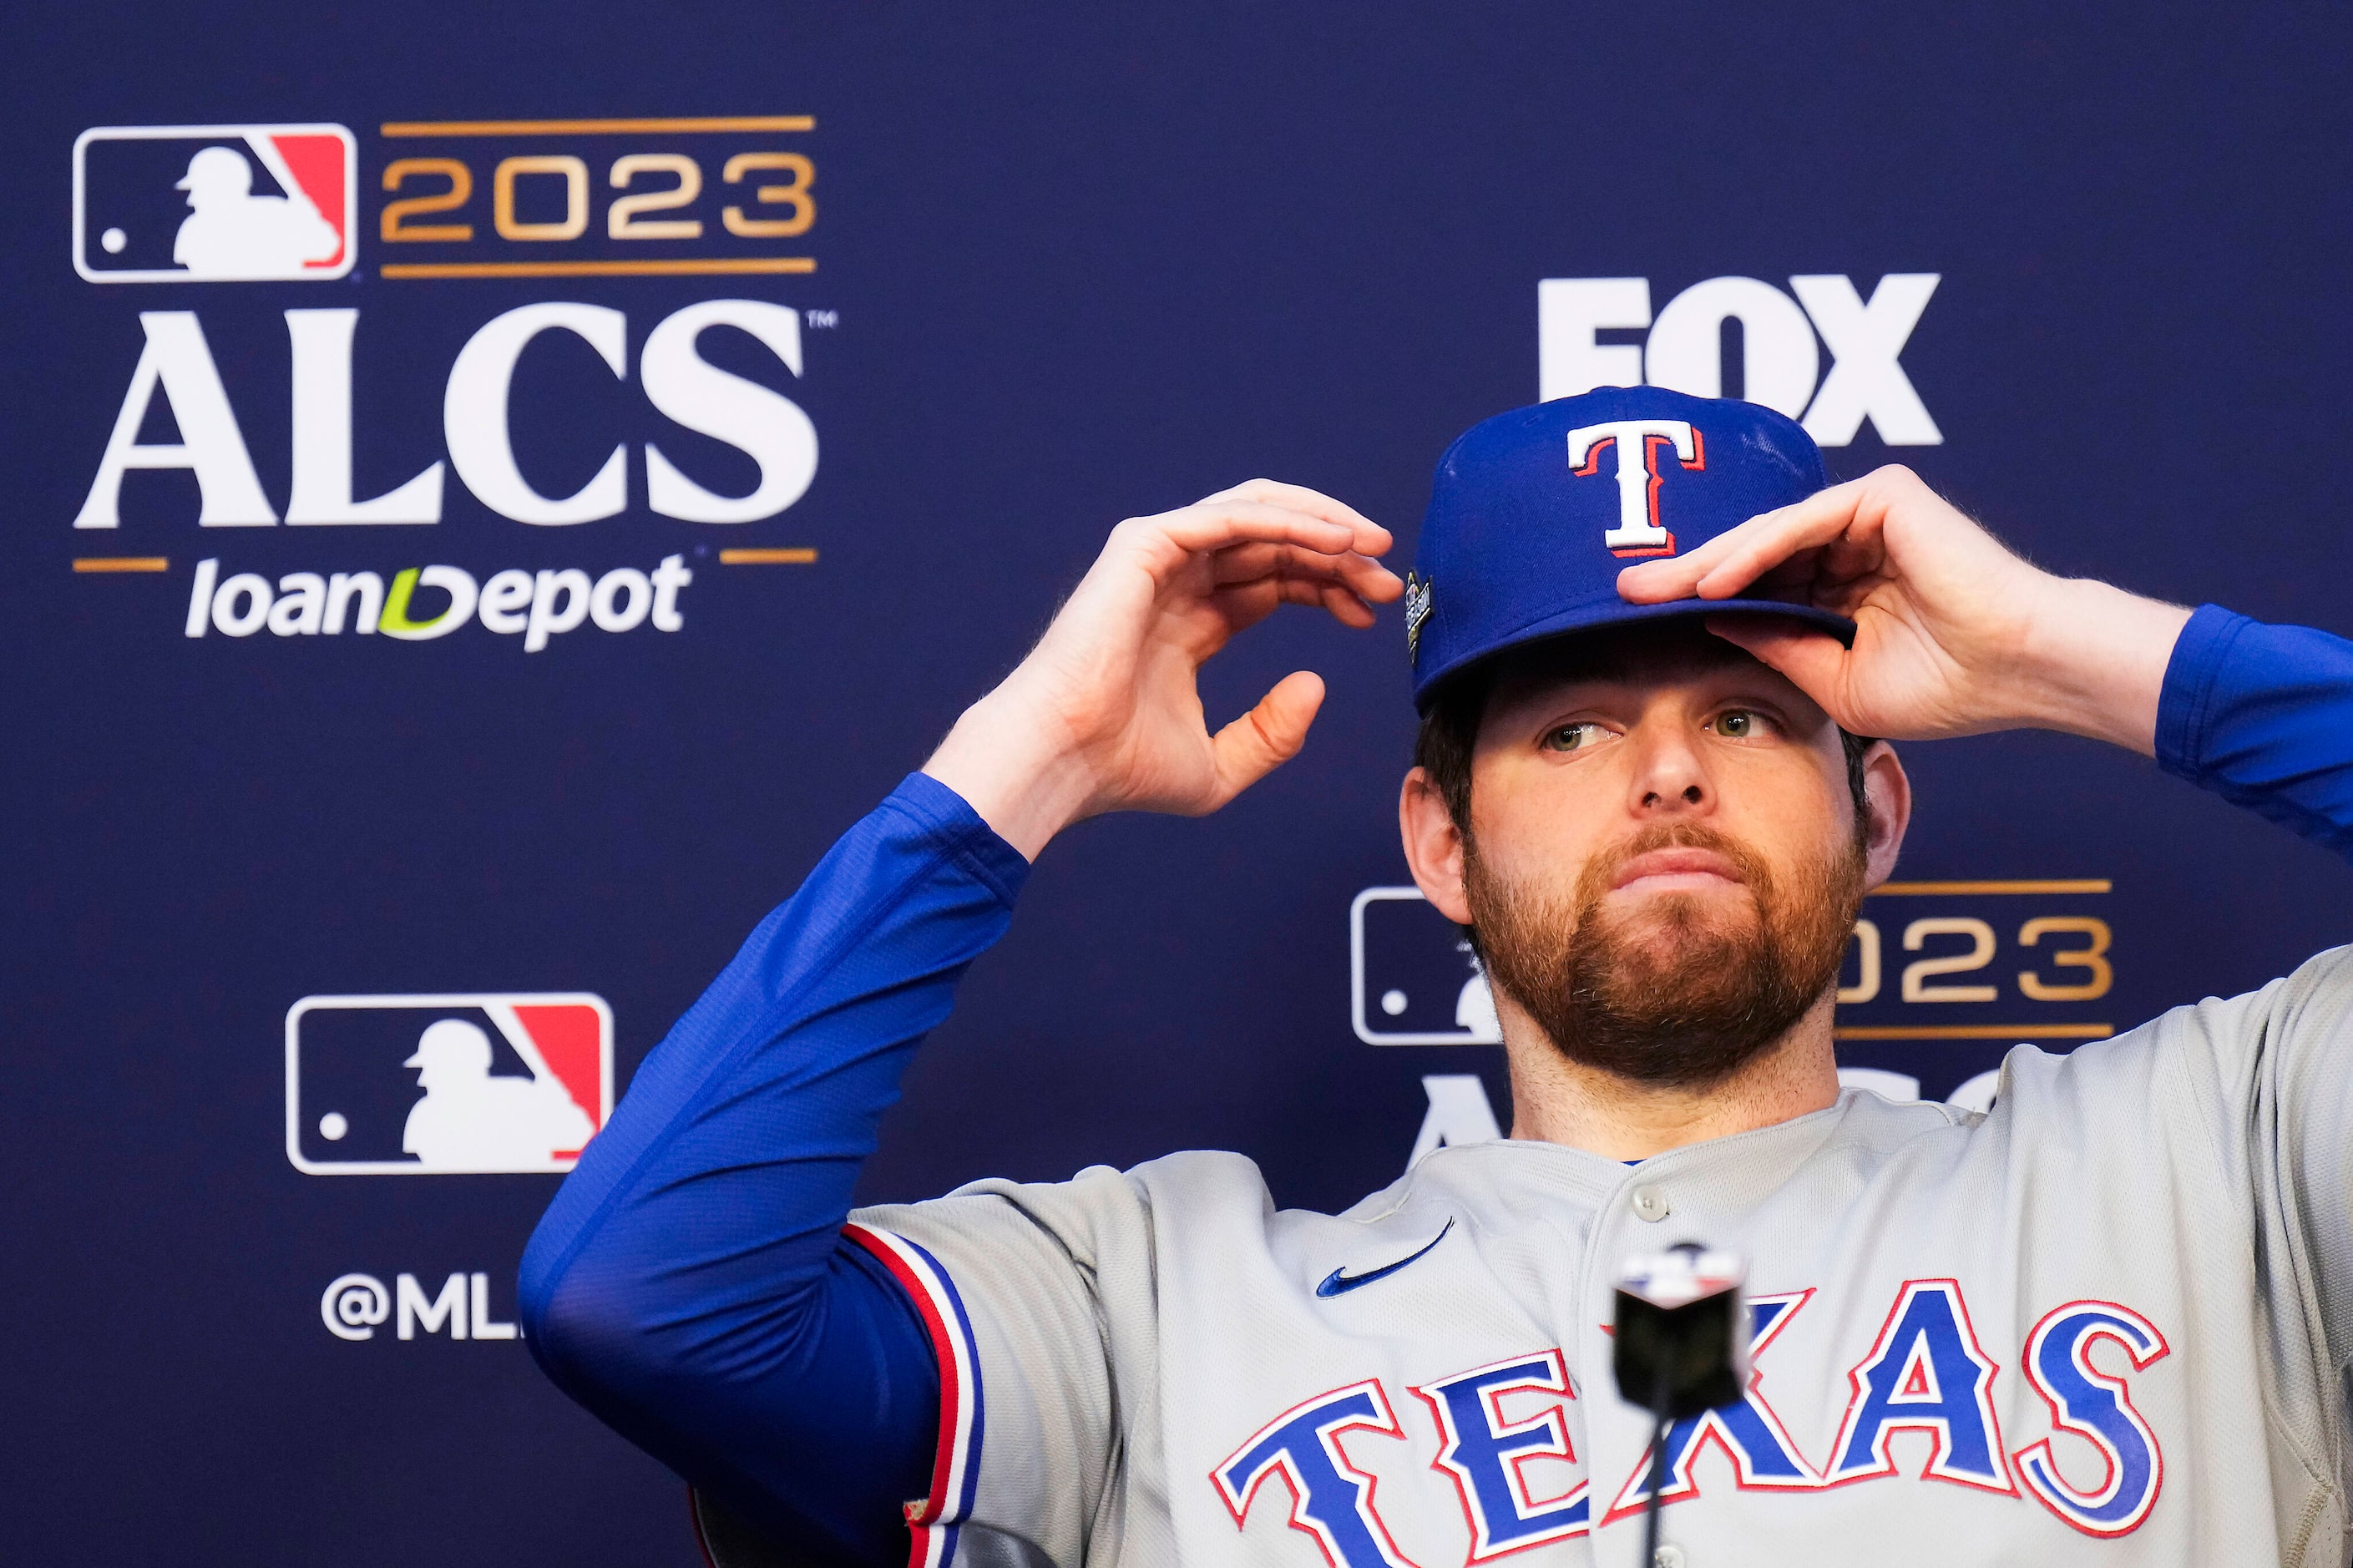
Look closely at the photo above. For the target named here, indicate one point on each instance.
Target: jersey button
(1651, 1205)
(1670, 1557)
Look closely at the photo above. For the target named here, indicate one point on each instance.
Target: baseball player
(1656, 659)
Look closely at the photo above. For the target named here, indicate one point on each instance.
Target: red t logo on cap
(1638, 532)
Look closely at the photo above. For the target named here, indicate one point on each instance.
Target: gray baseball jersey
(2106, 1323)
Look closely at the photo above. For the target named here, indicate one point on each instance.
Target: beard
(1684, 992)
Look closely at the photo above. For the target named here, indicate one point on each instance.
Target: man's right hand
(1105, 713)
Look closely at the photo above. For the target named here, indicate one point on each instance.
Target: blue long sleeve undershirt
(2259, 715)
(690, 1285)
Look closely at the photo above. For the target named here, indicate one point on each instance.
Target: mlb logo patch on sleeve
(179, 204)
(473, 1083)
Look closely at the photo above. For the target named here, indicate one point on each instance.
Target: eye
(1740, 724)
(1581, 736)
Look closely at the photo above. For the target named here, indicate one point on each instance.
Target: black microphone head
(1682, 1341)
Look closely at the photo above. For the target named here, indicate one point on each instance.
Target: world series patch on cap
(1535, 512)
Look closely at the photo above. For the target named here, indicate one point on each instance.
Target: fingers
(1246, 541)
(1369, 537)
(1197, 553)
(1732, 560)
(1209, 526)
(1845, 523)
(1266, 737)
(1365, 577)
(1263, 532)
(1242, 607)
(1344, 605)
(1348, 608)
(1842, 524)
(1813, 659)
(1245, 604)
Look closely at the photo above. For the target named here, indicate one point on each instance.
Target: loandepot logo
(535, 606)
(1782, 339)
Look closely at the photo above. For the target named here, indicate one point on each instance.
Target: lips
(1678, 870)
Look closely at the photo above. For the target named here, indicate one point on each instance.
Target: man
(2104, 1323)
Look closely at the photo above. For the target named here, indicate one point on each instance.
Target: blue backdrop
(1040, 267)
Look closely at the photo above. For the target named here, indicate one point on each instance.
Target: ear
(1433, 845)
(1888, 789)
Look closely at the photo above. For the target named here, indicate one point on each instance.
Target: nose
(1669, 775)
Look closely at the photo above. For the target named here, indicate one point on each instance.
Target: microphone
(1680, 1348)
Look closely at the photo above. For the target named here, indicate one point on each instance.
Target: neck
(1557, 1101)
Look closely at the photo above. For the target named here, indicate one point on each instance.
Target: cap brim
(1618, 613)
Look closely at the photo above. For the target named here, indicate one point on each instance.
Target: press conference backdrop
(491, 498)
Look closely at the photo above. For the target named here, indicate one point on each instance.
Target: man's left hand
(1955, 635)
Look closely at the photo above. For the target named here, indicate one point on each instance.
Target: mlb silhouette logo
(180, 204)
(473, 1083)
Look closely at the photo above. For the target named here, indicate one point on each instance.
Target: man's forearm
(1010, 763)
(2094, 662)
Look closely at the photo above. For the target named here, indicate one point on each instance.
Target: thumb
(1814, 660)
(1268, 735)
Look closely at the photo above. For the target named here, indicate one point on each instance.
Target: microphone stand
(1662, 1424)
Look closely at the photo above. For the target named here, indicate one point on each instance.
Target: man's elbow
(583, 1336)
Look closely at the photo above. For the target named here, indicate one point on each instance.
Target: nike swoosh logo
(1335, 1282)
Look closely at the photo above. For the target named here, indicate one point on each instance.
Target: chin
(1687, 916)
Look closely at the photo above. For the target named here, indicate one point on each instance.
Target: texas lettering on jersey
(1503, 1430)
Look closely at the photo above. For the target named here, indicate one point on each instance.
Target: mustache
(1600, 873)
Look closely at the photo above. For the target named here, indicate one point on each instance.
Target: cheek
(1540, 824)
(1790, 814)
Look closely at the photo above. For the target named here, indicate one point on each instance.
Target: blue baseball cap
(1534, 513)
